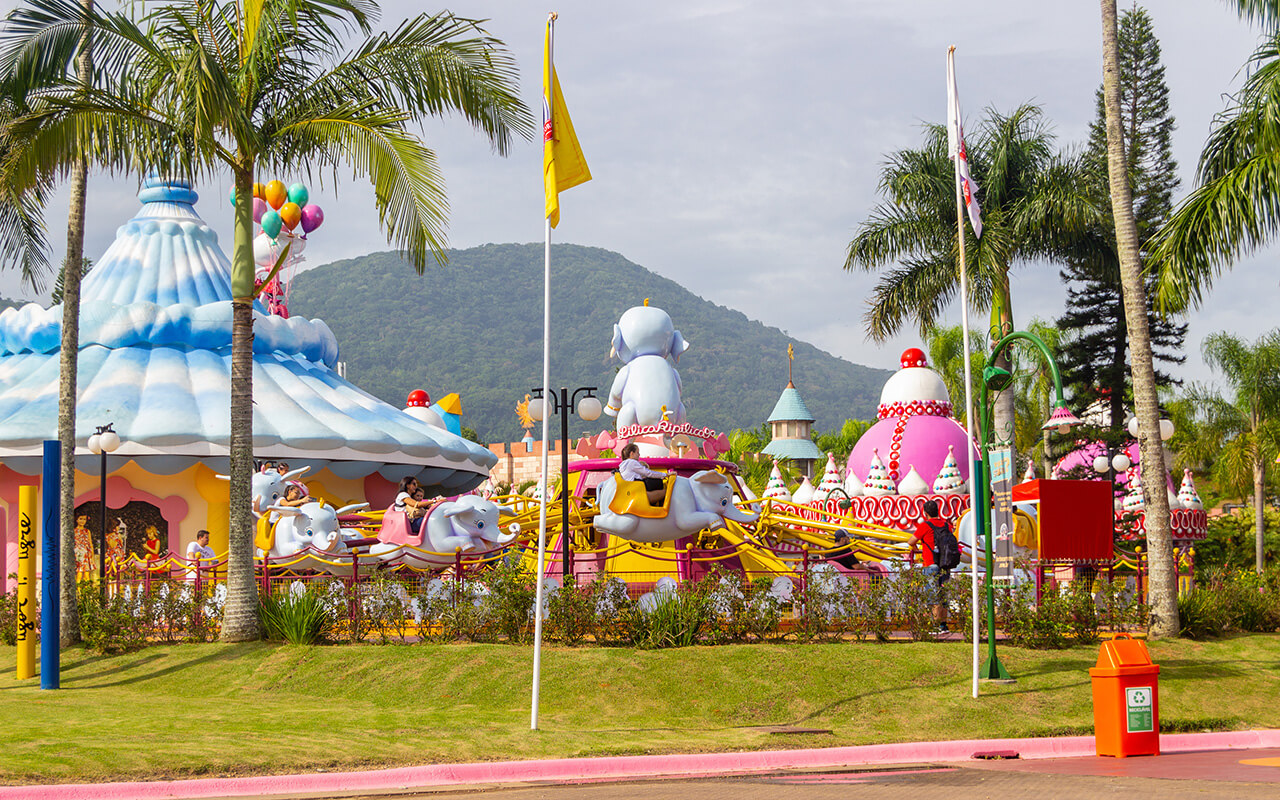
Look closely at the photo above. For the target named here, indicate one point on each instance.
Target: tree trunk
(240, 619)
(1259, 522)
(1163, 593)
(68, 365)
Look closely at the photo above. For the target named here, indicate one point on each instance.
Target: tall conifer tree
(1096, 365)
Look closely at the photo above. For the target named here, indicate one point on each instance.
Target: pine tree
(1096, 366)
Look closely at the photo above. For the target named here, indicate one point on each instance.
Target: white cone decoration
(1133, 500)
(803, 494)
(853, 486)
(878, 482)
(1187, 495)
(912, 483)
(949, 480)
(777, 489)
(830, 479)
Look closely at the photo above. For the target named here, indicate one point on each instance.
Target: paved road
(1217, 774)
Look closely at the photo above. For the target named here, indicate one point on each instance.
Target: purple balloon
(312, 218)
(259, 208)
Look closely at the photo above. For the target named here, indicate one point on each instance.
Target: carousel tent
(155, 361)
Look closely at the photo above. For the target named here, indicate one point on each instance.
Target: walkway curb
(621, 767)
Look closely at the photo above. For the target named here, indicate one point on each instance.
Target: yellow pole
(26, 582)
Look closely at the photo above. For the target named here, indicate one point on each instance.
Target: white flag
(955, 147)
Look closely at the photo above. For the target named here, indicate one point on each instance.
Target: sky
(736, 146)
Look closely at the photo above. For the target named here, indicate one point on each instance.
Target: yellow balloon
(276, 194)
(259, 191)
(290, 215)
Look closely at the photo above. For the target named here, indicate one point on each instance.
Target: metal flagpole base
(994, 672)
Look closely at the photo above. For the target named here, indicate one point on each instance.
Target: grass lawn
(190, 710)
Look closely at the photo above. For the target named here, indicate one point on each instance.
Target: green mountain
(474, 326)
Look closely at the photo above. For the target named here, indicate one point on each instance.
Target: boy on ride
(941, 555)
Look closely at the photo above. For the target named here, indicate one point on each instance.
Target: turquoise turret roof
(790, 407)
(794, 449)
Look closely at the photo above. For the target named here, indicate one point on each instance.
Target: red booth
(1075, 518)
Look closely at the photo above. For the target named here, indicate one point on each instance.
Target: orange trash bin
(1126, 699)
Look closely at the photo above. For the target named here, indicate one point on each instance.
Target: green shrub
(387, 608)
(571, 612)
(505, 609)
(676, 618)
(1201, 614)
(117, 626)
(296, 617)
(611, 622)
(9, 614)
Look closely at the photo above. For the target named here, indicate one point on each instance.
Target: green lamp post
(995, 379)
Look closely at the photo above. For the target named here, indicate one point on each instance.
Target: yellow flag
(563, 165)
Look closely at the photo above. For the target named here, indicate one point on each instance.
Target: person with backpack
(941, 554)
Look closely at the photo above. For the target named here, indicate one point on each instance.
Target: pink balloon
(259, 208)
(312, 217)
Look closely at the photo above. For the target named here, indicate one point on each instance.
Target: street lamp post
(563, 403)
(104, 441)
(995, 379)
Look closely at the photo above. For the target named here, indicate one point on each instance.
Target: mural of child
(116, 538)
(85, 566)
(152, 545)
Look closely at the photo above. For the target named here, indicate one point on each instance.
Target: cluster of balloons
(280, 211)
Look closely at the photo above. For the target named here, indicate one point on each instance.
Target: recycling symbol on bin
(1139, 697)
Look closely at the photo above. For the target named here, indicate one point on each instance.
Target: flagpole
(974, 511)
(546, 417)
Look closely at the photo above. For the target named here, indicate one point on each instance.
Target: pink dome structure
(915, 428)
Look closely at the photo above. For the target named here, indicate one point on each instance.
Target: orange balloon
(290, 215)
(259, 191)
(276, 194)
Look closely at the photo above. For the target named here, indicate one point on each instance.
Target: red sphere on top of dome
(914, 357)
(418, 397)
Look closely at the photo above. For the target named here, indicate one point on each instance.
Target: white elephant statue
(701, 501)
(469, 524)
(311, 525)
(647, 386)
(267, 487)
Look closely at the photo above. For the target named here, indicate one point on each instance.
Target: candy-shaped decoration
(259, 208)
(878, 482)
(298, 194)
(803, 494)
(912, 483)
(312, 218)
(290, 215)
(271, 223)
(1187, 495)
(418, 397)
(852, 486)
(777, 488)
(830, 479)
(259, 190)
(275, 194)
(948, 480)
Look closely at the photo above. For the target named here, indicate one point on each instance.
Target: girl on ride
(631, 468)
(408, 501)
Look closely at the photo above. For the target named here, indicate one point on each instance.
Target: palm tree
(1035, 389)
(195, 86)
(1163, 596)
(1246, 422)
(1232, 211)
(1033, 204)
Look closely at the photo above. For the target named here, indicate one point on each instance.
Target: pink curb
(621, 767)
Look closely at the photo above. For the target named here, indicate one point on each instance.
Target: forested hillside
(474, 326)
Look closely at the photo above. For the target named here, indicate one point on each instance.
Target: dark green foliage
(1231, 542)
(571, 612)
(474, 326)
(296, 617)
(1096, 364)
(9, 615)
(114, 627)
(1229, 601)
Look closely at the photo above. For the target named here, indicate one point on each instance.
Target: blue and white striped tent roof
(155, 360)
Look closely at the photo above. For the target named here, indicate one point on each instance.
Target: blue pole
(50, 584)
